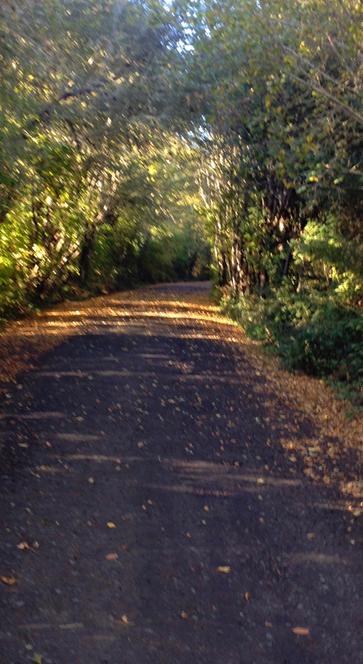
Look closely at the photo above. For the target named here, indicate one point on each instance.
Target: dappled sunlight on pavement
(159, 310)
(169, 490)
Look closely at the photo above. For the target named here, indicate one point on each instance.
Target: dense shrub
(310, 332)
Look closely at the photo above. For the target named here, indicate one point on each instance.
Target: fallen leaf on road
(224, 569)
(111, 524)
(25, 546)
(37, 659)
(112, 556)
(247, 596)
(8, 580)
(301, 631)
(184, 615)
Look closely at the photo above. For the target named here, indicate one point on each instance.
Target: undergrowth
(312, 334)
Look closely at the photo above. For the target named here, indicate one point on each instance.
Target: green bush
(311, 333)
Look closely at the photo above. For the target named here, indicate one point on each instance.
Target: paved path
(150, 513)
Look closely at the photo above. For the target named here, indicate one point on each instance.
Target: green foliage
(310, 332)
(279, 106)
(136, 135)
(327, 260)
(94, 182)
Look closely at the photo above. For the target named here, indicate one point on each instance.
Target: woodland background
(151, 141)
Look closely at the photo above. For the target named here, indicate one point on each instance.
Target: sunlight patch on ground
(187, 313)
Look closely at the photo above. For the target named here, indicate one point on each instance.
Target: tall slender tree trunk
(85, 256)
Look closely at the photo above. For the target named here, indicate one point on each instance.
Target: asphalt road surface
(150, 512)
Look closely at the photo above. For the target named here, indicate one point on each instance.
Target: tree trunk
(85, 256)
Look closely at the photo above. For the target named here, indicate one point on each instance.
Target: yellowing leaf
(8, 580)
(112, 556)
(111, 524)
(224, 569)
(301, 631)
